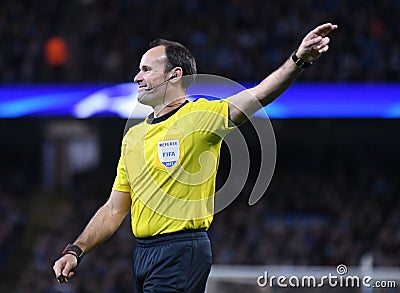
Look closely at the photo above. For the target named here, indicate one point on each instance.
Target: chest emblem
(168, 152)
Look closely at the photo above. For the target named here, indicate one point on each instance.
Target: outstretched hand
(315, 43)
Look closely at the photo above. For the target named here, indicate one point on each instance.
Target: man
(166, 173)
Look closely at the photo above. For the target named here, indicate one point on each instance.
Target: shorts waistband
(173, 236)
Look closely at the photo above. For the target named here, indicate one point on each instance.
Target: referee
(168, 164)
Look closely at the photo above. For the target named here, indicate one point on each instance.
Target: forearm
(276, 83)
(102, 225)
(312, 46)
(246, 103)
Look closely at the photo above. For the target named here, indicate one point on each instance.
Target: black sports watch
(300, 62)
(74, 250)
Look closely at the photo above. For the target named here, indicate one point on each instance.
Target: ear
(177, 73)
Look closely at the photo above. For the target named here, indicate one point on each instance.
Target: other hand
(65, 267)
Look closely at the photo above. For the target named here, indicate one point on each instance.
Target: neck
(165, 107)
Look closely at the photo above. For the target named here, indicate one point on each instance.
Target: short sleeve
(213, 116)
(121, 182)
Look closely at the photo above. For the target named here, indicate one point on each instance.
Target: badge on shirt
(168, 152)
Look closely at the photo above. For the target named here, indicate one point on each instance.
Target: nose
(138, 77)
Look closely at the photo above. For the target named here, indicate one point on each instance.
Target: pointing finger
(324, 29)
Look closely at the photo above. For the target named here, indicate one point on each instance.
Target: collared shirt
(169, 164)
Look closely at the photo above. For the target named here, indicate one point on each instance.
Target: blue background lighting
(302, 100)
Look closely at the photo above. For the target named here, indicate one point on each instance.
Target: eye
(146, 69)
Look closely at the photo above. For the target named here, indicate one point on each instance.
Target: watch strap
(300, 62)
(74, 250)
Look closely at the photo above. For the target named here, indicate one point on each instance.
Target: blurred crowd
(332, 200)
(336, 212)
(101, 40)
(11, 221)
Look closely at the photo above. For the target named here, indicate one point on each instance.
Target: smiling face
(151, 76)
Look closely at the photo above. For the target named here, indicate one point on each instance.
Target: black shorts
(176, 262)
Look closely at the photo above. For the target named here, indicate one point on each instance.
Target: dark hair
(178, 56)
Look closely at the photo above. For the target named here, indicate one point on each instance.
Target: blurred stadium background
(334, 198)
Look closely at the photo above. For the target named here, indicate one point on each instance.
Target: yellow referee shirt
(169, 166)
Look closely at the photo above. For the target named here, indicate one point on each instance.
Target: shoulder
(203, 103)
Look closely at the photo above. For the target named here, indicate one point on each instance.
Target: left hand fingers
(323, 49)
(308, 43)
(322, 44)
(316, 43)
(324, 29)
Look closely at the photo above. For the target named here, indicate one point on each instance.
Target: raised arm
(247, 102)
(102, 225)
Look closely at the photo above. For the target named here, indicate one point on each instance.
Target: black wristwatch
(74, 250)
(300, 62)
